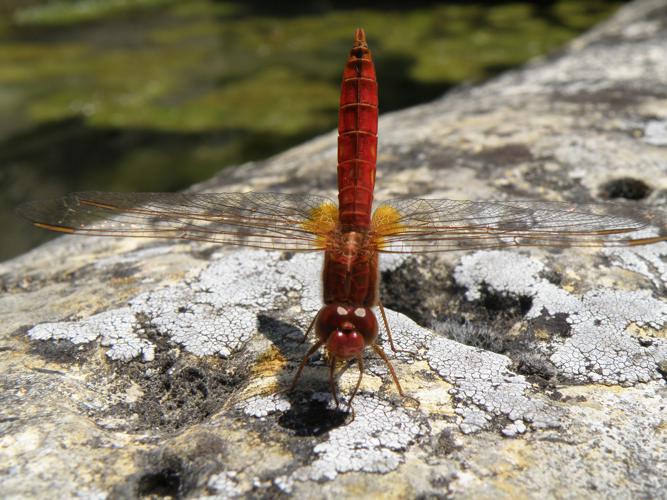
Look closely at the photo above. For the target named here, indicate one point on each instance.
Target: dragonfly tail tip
(359, 37)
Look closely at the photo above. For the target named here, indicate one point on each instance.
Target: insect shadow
(311, 412)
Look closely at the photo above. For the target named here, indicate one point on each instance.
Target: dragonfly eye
(345, 329)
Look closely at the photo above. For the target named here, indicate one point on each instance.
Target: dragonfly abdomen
(357, 137)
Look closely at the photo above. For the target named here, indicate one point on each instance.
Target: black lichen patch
(662, 369)
(506, 155)
(428, 296)
(164, 475)
(445, 444)
(609, 98)
(180, 389)
(120, 271)
(625, 187)
(176, 389)
(536, 367)
(161, 483)
(504, 305)
(556, 324)
(311, 417)
(204, 252)
(63, 351)
(521, 348)
(421, 288)
(476, 334)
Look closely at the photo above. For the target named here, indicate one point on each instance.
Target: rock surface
(134, 367)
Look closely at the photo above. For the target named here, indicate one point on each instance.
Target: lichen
(213, 313)
(117, 329)
(372, 442)
(600, 349)
(487, 388)
(648, 260)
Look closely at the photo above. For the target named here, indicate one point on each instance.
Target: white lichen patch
(213, 313)
(502, 271)
(262, 406)
(600, 349)
(482, 381)
(655, 132)
(486, 386)
(116, 328)
(372, 442)
(226, 484)
(648, 260)
(410, 339)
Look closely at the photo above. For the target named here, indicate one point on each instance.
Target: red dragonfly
(351, 236)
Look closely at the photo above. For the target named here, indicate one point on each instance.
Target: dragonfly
(350, 233)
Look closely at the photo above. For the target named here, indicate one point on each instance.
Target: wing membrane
(262, 220)
(421, 225)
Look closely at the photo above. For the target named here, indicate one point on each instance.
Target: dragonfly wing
(421, 225)
(263, 220)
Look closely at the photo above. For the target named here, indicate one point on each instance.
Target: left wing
(270, 221)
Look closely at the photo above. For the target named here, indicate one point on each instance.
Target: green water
(155, 95)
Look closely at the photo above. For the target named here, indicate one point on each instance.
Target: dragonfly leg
(386, 327)
(384, 357)
(332, 382)
(310, 352)
(310, 327)
(360, 363)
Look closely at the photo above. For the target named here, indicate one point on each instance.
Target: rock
(135, 367)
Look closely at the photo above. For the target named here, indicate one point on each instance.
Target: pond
(154, 95)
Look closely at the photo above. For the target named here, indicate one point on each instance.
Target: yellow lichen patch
(542, 334)
(431, 392)
(648, 333)
(264, 379)
(269, 364)
(385, 223)
(323, 220)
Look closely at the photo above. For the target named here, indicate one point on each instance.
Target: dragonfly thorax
(351, 246)
(350, 273)
(346, 330)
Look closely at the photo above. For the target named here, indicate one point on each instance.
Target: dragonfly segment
(350, 238)
(357, 137)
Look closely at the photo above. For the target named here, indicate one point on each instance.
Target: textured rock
(132, 367)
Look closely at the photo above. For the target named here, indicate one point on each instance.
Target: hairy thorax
(350, 272)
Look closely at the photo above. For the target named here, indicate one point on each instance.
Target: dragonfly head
(346, 330)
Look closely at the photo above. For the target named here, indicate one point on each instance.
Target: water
(158, 94)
